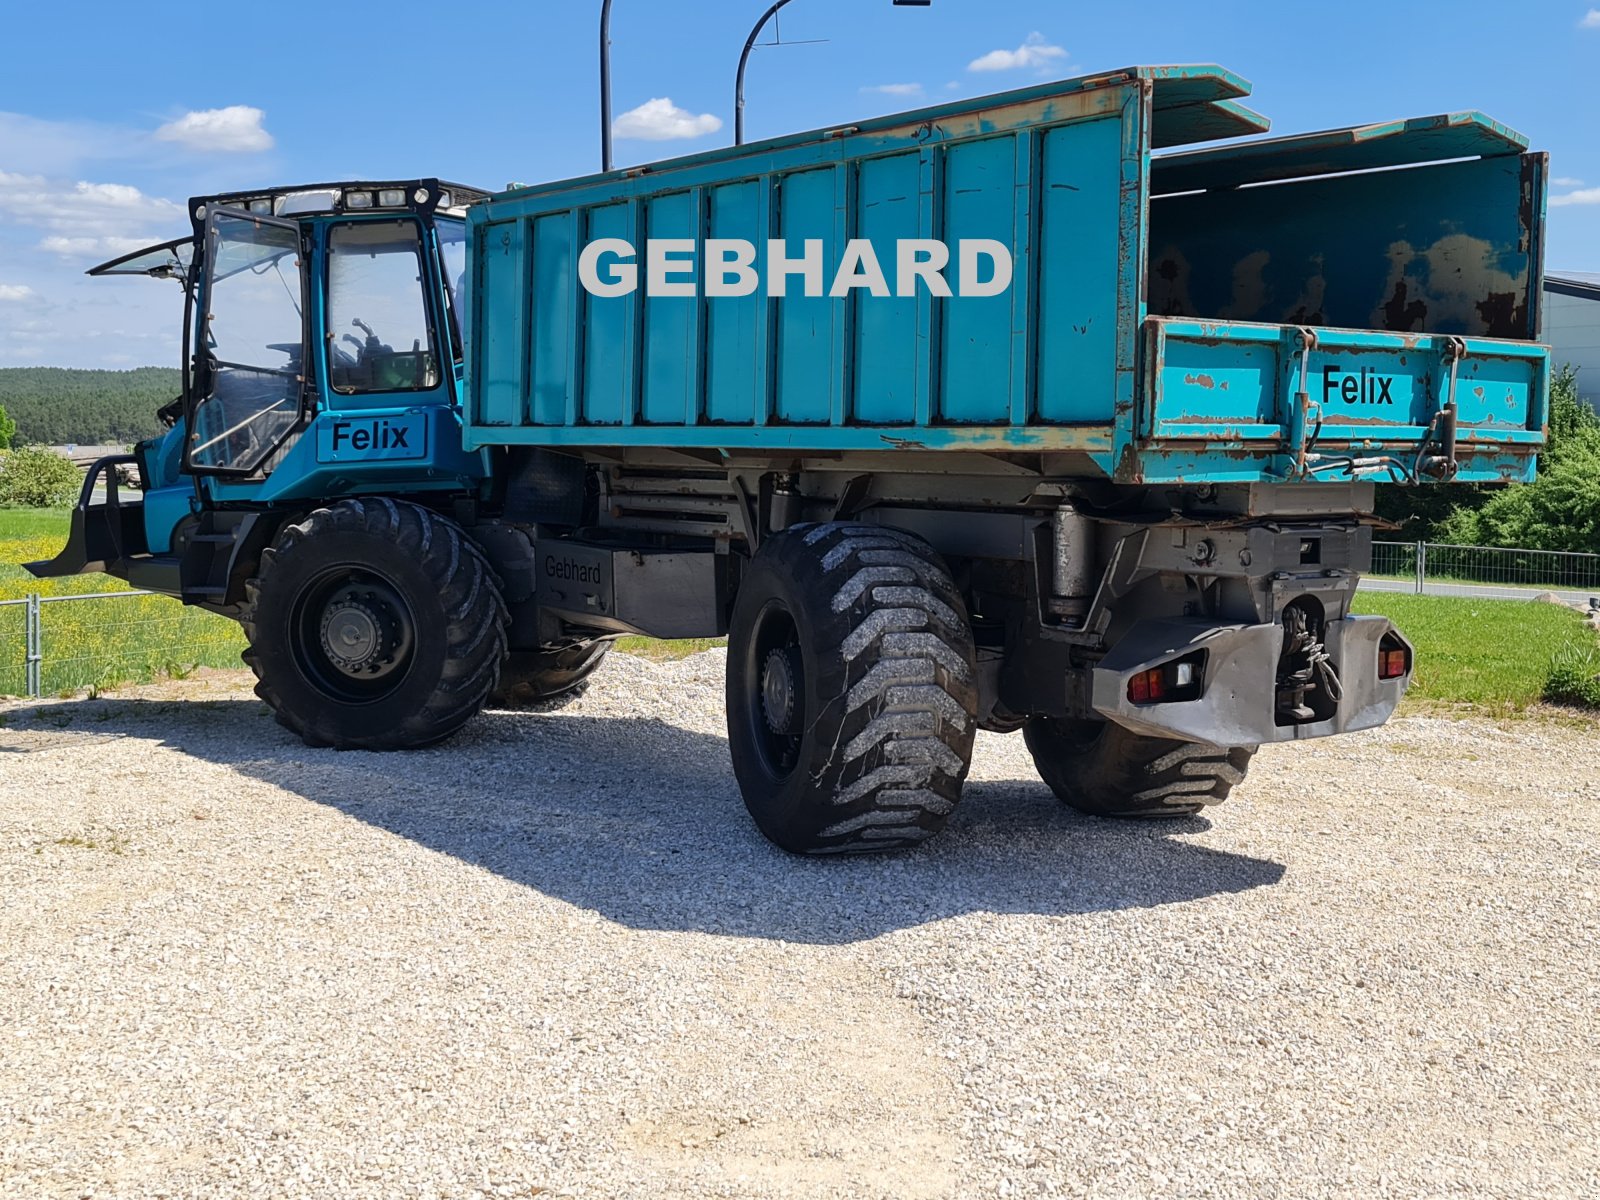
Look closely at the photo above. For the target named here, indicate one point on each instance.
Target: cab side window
(379, 336)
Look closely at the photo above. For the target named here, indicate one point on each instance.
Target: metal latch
(1442, 430)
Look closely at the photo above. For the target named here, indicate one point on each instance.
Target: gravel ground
(555, 958)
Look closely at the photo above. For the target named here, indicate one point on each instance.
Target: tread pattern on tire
(475, 617)
(544, 680)
(906, 700)
(1107, 770)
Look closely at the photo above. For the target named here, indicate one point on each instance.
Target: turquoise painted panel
(734, 373)
(608, 335)
(808, 369)
(888, 201)
(1079, 266)
(980, 201)
(1234, 381)
(497, 335)
(672, 323)
(164, 507)
(1367, 390)
(554, 293)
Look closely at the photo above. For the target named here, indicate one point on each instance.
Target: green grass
(665, 651)
(1494, 654)
(33, 523)
(95, 643)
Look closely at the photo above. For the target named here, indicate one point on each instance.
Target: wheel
(1106, 770)
(374, 625)
(851, 687)
(547, 678)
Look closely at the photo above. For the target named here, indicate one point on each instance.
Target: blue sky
(112, 114)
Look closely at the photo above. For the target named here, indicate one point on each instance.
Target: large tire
(851, 689)
(1104, 769)
(374, 625)
(547, 679)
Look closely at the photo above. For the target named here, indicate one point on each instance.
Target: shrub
(34, 477)
(1560, 510)
(8, 429)
(1574, 677)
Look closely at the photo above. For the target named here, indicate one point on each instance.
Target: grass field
(95, 643)
(1495, 654)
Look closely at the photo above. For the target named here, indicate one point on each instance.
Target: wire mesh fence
(1395, 560)
(55, 644)
(1496, 566)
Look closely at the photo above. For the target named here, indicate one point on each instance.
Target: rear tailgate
(1247, 401)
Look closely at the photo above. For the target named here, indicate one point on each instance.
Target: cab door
(250, 354)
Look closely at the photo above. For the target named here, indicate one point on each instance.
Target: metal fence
(55, 644)
(1425, 563)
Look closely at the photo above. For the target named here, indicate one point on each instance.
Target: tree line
(54, 406)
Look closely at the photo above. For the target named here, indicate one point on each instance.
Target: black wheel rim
(774, 675)
(354, 635)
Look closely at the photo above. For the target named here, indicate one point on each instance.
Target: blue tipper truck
(1003, 414)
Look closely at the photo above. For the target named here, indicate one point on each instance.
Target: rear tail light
(1148, 687)
(1169, 682)
(1394, 657)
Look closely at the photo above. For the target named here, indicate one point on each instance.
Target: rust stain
(1502, 316)
(1398, 314)
(1335, 421)
(1204, 381)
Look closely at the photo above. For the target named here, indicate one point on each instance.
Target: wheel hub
(355, 634)
(780, 680)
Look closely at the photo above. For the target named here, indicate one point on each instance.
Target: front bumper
(1237, 704)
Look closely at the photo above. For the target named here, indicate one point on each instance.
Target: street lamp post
(750, 44)
(605, 85)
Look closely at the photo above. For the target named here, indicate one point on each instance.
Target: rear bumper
(1237, 704)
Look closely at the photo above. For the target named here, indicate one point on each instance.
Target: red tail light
(1148, 687)
(1391, 664)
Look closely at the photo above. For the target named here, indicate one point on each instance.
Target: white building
(1572, 327)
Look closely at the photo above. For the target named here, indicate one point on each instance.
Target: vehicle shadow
(642, 822)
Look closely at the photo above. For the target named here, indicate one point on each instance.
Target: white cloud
(235, 129)
(1034, 52)
(1586, 196)
(93, 247)
(15, 291)
(83, 209)
(660, 120)
(896, 89)
(1564, 181)
(1591, 19)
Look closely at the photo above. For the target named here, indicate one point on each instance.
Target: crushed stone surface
(554, 958)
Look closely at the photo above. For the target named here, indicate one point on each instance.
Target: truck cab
(322, 355)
